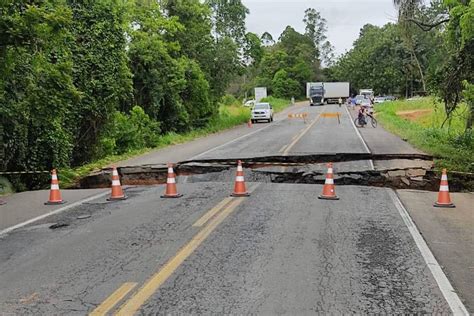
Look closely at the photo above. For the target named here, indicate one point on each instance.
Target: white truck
(260, 93)
(367, 93)
(320, 93)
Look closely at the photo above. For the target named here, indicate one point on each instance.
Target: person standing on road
(340, 102)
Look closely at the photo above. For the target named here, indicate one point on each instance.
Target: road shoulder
(449, 234)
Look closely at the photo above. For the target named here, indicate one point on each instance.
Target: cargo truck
(320, 93)
(367, 93)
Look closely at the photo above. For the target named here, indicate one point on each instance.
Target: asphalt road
(279, 251)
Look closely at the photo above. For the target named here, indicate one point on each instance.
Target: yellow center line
(203, 220)
(113, 299)
(152, 285)
(293, 143)
(282, 148)
(213, 211)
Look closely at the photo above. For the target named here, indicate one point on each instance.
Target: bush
(130, 132)
(285, 87)
(229, 99)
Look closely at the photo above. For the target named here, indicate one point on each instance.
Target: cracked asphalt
(279, 251)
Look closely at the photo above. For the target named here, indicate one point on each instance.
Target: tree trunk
(418, 65)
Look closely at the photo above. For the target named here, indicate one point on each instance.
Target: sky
(344, 17)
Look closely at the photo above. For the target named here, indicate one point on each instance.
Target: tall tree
(253, 50)
(327, 54)
(228, 17)
(458, 16)
(195, 38)
(37, 93)
(101, 70)
(316, 28)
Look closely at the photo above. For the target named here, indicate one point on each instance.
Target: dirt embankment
(413, 115)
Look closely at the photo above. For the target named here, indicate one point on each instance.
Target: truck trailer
(320, 93)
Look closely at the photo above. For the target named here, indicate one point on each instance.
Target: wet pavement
(280, 251)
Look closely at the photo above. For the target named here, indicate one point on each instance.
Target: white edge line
(59, 210)
(241, 137)
(456, 305)
(361, 138)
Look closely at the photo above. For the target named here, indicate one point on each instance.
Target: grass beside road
(419, 122)
(230, 115)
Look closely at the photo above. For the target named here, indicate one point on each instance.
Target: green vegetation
(420, 122)
(231, 113)
(427, 52)
(284, 66)
(82, 80)
(277, 103)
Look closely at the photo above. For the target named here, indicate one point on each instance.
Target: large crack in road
(308, 169)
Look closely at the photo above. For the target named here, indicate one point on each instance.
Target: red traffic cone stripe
(444, 200)
(329, 190)
(117, 192)
(239, 185)
(171, 191)
(54, 193)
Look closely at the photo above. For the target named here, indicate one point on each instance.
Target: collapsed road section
(309, 169)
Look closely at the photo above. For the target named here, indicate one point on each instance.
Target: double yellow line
(212, 218)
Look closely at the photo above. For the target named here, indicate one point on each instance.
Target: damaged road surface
(279, 251)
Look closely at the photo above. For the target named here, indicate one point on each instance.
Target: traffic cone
(444, 200)
(117, 192)
(54, 193)
(171, 191)
(249, 123)
(239, 186)
(329, 192)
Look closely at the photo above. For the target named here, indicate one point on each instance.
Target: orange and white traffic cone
(171, 191)
(329, 192)
(54, 193)
(444, 200)
(117, 192)
(239, 186)
(249, 123)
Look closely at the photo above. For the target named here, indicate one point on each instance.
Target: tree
(37, 93)
(327, 54)
(316, 28)
(458, 15)
(378, 60)
(101, 72)
(253, 50)
(284, 86)
(228, 18)
(194, 34)
(226, 64)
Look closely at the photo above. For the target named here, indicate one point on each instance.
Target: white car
(249, 103)
(262, 111)
(379, 100)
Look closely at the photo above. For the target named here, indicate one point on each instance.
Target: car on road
(380, 99)
(390, 98)
(358, 99)
(262, 112)
(249, 103)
